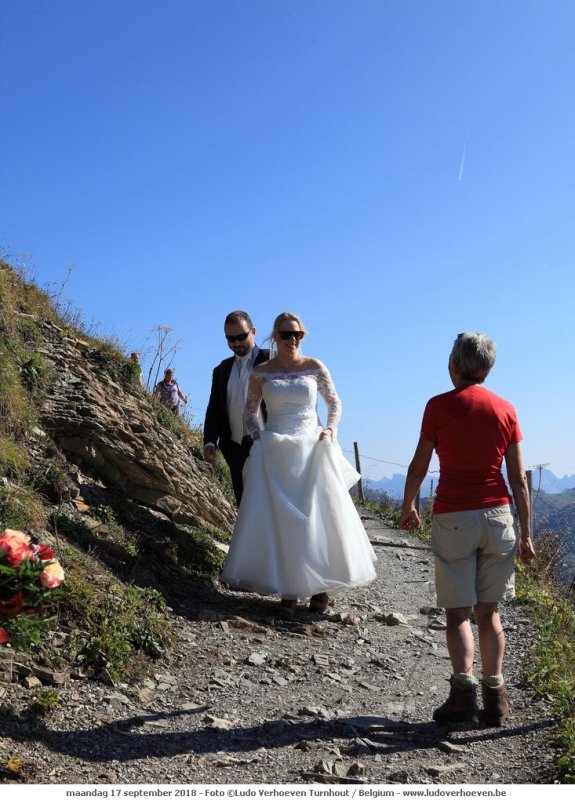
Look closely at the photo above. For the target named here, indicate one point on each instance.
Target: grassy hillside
(121, 564)
(555, 512)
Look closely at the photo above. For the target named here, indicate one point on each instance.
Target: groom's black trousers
(235, 456)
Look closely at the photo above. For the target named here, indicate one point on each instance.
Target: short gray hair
(473, 355)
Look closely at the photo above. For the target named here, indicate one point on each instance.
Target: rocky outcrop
(104, 422)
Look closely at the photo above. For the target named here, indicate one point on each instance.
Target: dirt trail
(250, 698)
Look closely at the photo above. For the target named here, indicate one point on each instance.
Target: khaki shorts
(474, 556)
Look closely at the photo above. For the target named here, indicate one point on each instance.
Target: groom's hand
(209, 453)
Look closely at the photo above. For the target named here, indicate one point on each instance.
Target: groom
(224, 423)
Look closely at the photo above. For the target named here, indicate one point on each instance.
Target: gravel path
(249, 698)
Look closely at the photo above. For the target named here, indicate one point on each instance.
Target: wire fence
(373, 462)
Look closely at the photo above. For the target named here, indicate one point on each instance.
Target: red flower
(45, 553)
(15, 545)
(4, 636)
(52, 575)
(10, 608)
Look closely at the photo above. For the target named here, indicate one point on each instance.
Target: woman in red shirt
(473, 535)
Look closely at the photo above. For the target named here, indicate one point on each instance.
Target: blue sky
(394, 171)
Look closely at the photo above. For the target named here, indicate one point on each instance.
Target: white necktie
(244, 378)
(239, 400)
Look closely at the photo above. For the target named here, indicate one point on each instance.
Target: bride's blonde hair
(286, 315)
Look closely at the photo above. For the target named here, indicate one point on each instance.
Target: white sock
(493, 680)
(464, 678)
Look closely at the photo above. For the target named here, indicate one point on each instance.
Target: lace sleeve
(253, 402)
(327, 390)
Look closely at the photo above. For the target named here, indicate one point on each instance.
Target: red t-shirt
(471, 429)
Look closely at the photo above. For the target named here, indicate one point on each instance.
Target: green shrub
(381, 507)
(551, 665)
(108, 349)
(45, 701)
(33, 372)
(73, 527)
(197, 551)
(224, 478)
(21, 508)
(28, 631)
(29, 330)
(122, 627)
(180, 426)
(105, 514)
(134, 372)
(52, 480)
(13, 457)
(217, 533)
(16, 409)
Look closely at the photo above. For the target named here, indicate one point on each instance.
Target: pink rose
(16, 546)
(9, 534)
(52, 575)
(4, 636)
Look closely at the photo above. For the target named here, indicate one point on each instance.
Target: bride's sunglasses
(287, 335)
(241, 337)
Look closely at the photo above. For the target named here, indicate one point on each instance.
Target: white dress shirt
(237, 390)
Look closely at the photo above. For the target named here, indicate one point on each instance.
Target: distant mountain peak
(546, 482)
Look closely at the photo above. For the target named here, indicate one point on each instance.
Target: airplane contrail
(461, 166)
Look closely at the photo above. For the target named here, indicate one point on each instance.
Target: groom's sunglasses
(286, 335)
(241, 337)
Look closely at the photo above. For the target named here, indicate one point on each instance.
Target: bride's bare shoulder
(266, 366)
(313, 363)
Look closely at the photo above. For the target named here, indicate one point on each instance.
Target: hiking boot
(495, 704)
(319, 603)
(287, 607)
(460, 706)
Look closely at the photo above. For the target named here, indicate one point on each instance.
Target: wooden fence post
(529, 474)
(358, 468)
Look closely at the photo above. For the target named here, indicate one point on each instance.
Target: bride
(297, 533)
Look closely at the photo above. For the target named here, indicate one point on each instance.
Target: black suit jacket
(217, 425)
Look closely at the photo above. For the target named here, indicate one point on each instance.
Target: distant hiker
(169, 393)
(224, 423)
(135, 357)
(473, 536)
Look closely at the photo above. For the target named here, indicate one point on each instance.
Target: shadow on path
(129, 739)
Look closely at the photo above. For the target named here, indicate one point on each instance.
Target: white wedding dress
(297, 532)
